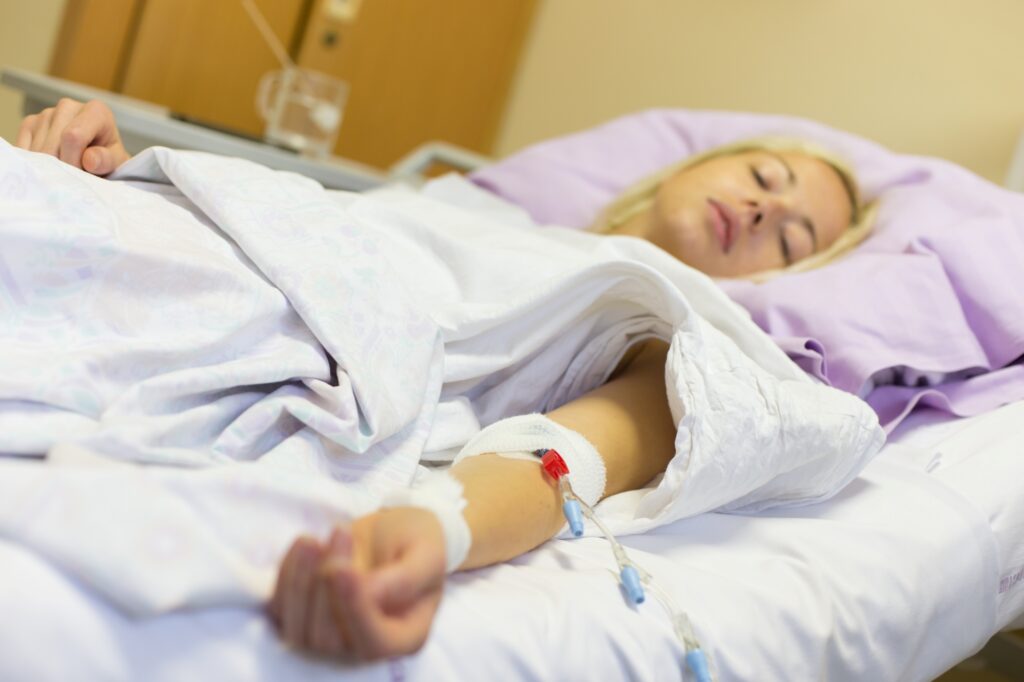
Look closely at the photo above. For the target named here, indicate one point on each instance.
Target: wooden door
(94, 41)
(419, 70)
(205, 58)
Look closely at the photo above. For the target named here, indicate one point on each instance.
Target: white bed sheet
(910, 569)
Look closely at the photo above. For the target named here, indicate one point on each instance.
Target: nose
(764, 210)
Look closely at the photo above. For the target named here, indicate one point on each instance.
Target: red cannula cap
(554, 464)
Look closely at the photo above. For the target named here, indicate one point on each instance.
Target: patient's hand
(369, 592)
(84, 135)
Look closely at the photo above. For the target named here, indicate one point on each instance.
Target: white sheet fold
(247, 315)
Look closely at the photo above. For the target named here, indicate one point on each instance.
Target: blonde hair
(640, 196)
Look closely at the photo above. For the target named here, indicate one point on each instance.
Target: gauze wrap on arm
(518, 437)
(440, 493)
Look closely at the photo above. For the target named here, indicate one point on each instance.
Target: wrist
(440, 494)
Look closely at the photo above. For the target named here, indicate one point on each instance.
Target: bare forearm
(513, 507)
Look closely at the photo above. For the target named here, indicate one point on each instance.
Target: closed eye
(761, 182)
(786, 255)
(759, 178)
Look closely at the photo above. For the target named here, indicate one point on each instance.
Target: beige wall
(937, 77)
(27, 32)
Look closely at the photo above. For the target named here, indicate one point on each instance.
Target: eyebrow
(807, 223)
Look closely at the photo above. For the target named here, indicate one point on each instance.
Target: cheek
(675, 228)
(674, 210)
(834, 230)
(672, 218)
(667, 207)
(675, 194)
(684, 239)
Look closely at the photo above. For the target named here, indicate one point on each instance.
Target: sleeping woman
(371, 589)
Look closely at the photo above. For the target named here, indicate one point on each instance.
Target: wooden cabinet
(418, 70)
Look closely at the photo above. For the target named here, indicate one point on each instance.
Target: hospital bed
(911, 568)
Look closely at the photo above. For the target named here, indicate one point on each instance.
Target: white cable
(268, 35)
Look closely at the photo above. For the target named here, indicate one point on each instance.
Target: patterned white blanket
(202, 311)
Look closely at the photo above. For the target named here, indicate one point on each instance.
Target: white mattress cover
(982, 459)
(907, 571)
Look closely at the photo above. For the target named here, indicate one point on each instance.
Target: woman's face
(743, 213)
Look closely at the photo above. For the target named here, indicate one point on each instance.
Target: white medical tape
(516, 437)
(441, 493)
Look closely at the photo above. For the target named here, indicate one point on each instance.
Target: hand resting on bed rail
(753, 209)
(83, 135)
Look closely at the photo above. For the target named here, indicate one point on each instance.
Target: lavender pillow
(931, 296)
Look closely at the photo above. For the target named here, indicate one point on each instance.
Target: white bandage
(440, 493)
(518, 437)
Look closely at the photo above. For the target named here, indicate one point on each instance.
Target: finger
(407, 593)
(304, 556)
(326, 635)
(376, 634)
(284, 578)
(105, 150)
(24, 139)
(408, 632)
(63, 114)
(101, 160)
(337, 572)
(331, 635)
(79, 134)
(274, 606)
(416, 572)
(40, 130)
(99, 121)
(340, 544)
(348, 608)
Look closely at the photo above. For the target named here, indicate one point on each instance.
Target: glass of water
(303, 109)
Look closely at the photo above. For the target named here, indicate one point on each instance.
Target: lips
(724, 223)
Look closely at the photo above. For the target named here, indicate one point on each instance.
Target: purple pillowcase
(935, 289)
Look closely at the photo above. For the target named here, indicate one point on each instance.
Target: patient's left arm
(372, 589)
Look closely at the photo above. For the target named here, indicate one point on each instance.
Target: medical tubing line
(268, 34)
(680, 621)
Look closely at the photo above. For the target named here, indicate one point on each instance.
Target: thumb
(99, 160)
(401, 582)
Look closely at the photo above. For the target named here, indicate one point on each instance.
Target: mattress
(911, 568)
